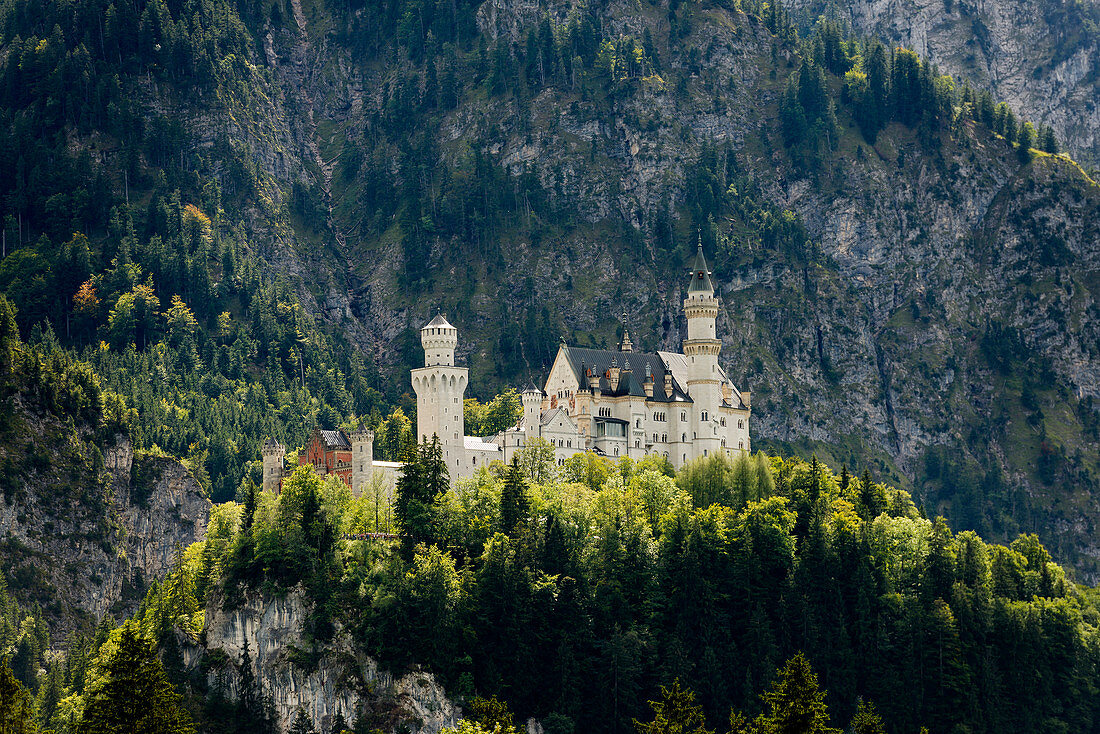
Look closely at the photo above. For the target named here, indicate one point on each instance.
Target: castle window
(704, 416)
(741, 445)
(637, 422)
(683, 416)
(616, 451)
(664, 438)
(637, 444)
(740, 424)
(683, 437)
(654, 438)
(722, 421)
(704, 452)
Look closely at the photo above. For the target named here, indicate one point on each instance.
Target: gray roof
(700, 275)
(630, 383)
(334, 439)
(438, 321)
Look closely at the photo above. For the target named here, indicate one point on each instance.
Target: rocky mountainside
(1043, 58)
(84, 528)
(939, 325)
(920, 302)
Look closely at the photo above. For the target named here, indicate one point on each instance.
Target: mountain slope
(908, 297)
(1042, 58)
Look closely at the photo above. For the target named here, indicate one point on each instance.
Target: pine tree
(131, 693)
(866, 720)
(675, 713)
(795, 703)
(16, 705)
(513, 498)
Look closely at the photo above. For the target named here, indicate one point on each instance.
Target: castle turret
(362, 457)
(273, 454)
(440, 387)
(532, 412)
(701, 349)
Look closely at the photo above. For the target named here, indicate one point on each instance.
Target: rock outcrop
(340, 680)
(84, 528)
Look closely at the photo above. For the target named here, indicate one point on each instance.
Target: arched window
(740, 424)
(683, 437)
(616, 451)
(683, 416)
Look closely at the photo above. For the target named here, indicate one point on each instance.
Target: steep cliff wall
(78, 534)
(1043, 58)
(340, 680)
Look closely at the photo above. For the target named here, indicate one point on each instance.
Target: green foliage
(16, 704)
(499, 414)
(675, 713)
(129, 691)
(513, 498)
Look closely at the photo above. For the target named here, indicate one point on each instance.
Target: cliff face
(1042, 58)
(84, 528)
(340, 680)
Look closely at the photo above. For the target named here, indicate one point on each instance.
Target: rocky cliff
(1042, 58)
(83, 527)
(337, 680)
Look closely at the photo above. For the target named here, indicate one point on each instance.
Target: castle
(349, 457)
(613, 402)
(616, 403)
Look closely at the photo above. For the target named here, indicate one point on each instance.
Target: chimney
(648, 384)
(613, 375)
(668, 384)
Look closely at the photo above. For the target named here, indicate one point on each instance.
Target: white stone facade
(625, 403)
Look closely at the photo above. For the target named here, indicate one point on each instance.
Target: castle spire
(700, 274)
(626, 345)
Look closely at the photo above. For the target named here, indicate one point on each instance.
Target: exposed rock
(342, 680)
(84, 534)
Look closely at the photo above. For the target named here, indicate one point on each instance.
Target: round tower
(362, 457)
(439, 340)
(532, 412)
(273, 454)
(440, 387)
(702, 348)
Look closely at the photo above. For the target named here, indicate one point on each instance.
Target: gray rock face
(341, 682)
(1039, 57)
(88, 546)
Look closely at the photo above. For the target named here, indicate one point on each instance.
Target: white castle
(612, 402)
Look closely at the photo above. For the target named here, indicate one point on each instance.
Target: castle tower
(702, 348)
(273, 453)
(532, 412)
(362, 457)
(440, 387)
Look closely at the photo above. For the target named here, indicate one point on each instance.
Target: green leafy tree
(130, 693)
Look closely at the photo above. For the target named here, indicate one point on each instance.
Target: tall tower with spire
(701, 349)
(440, 387)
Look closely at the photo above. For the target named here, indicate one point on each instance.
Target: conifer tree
(16, 705)
(795, 703)
(131, 693)
(513, 498)
(675, 713)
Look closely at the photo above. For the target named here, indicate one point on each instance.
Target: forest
(731, 594)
